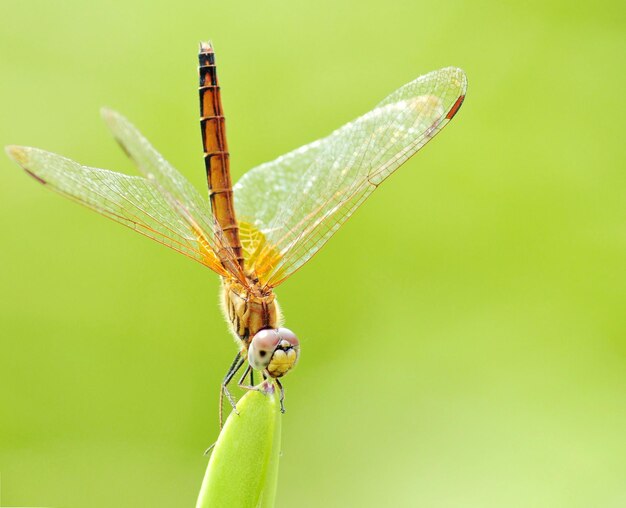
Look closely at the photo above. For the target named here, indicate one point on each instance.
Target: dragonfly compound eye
(262, 347)
(275, 350)
(285, 355)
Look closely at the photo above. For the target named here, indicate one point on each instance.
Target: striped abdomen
(216, 157)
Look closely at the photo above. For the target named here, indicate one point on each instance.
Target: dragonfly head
(275, 350)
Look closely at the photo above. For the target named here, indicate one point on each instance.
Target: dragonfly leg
(209, 449)
(233, 369)
(251, 386)
(265, 378)
(282, 395)
(242, 378)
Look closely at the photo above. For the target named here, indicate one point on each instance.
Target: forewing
(133, 201)
(290, 207)
(174, 187)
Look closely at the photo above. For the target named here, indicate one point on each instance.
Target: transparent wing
(174, 187)
(133, 201)
(290, 207)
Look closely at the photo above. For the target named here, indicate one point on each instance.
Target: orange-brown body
(248, 306)
(216, 156)
(249, 310)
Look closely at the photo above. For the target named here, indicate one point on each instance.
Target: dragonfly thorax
(249, 311)
(255, 319)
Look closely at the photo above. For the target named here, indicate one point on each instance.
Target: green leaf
(243, 469)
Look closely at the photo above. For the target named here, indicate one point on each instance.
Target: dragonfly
(259, 232)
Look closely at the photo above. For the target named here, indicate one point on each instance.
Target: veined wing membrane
(174, 187)
(130, 200)
(293, 205)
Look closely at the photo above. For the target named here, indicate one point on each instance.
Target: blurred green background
(466, 351)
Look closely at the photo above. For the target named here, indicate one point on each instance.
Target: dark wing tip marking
(36, 177)
(455, 108)
(19, 154)
(113, 119)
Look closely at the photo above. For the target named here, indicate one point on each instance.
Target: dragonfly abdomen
(216, 156)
